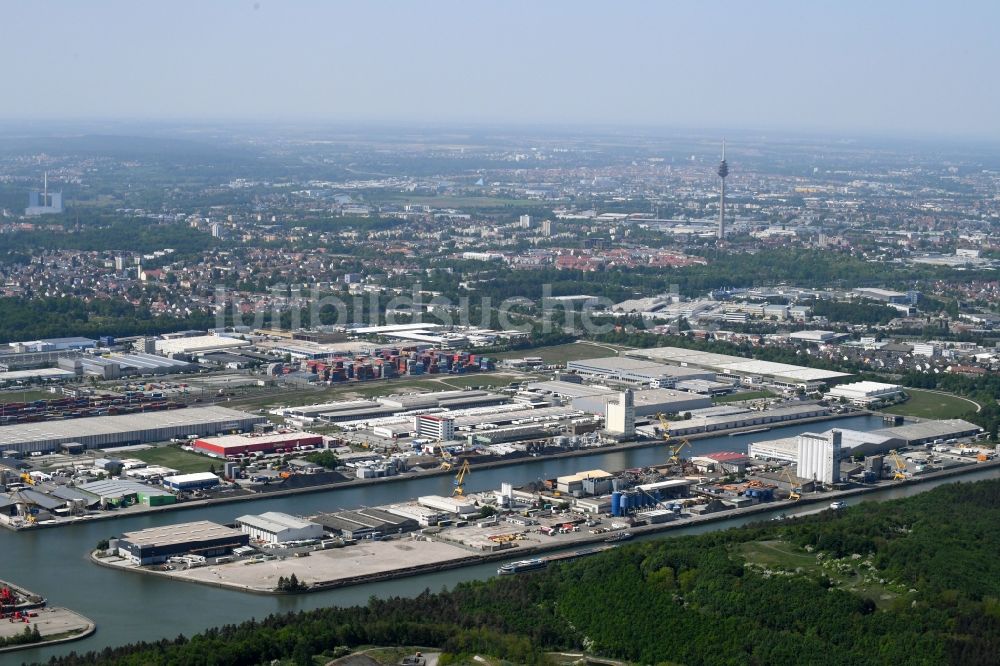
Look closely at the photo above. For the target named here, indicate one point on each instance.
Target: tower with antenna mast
(44, 202)
(723, 172)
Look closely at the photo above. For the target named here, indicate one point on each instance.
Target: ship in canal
(521, 566)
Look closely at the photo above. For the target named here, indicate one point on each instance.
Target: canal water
(132, 607)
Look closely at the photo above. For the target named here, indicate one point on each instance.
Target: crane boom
(674, 448)
(459, 482)
(899, 469)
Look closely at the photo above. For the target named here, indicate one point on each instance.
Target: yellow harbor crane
(448, 460)
(794, 490)
(459, 482)
(674, 448)
(899, 467)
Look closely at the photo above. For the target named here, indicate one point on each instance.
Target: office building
(434, 427)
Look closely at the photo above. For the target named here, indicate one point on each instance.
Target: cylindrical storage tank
(616, 504)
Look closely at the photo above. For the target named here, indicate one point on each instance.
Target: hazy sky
(842, 65)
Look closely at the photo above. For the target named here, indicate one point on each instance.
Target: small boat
(521, 566)
(748, 432)
(621, 536)
(836, 506)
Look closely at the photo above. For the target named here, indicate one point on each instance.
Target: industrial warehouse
(159, 544)
(743, 370)
(243, 444)
(111, 431)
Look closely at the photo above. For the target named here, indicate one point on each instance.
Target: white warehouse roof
(737, 364)
(274, 522)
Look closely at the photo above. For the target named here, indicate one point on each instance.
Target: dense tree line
(686, 600)
(864, 312)
(30, 319)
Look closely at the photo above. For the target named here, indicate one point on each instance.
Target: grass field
(174, 457)
(26, 396)
(562, 353)
(929, 405)
(748, 395)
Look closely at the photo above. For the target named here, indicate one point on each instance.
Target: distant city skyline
(892, 67)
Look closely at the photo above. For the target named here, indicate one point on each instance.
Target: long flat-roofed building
(140, 428)
(924, 432)
(158, 544)
(637, 371)
(745, 419)
(233, 445)
(852, 442)
(199, 344)
(364, 523)
(745, 370)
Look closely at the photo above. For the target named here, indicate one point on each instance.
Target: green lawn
(928, 405)
(29, 395)
(563, 353)
(174, 457)
(747, 395)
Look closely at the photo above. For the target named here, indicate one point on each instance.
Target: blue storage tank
(616, 504)
(626, 502)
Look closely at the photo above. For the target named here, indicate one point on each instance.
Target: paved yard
(365, 557)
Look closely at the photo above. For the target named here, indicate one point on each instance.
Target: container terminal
(569, 516)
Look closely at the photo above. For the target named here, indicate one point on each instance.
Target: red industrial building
(272, 442)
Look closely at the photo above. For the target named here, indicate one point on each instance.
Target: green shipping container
(156, 500)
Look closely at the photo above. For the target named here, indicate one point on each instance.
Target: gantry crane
(459, 482)
(899, 469)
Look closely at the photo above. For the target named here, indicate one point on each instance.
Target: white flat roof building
(198, 344)
(456, 505)
(749, 370)
(277, 527)
(865, 393)
(139, 428)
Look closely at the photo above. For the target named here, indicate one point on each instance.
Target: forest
(931, 595)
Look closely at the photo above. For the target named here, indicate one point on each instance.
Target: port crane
(794, 490)
(899, 467)
(448, 460)
(674, 448)
(459, 481)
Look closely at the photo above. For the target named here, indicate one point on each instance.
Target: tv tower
(723, 172)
